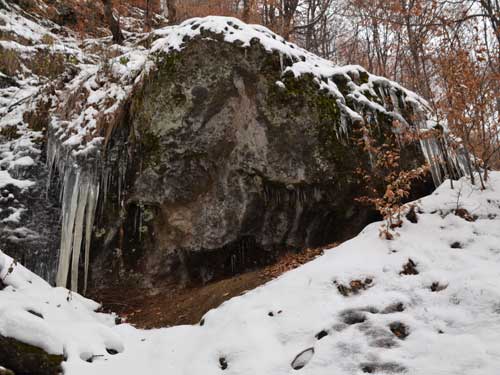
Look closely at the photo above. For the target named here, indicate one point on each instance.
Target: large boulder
(205, 149)
(225, 156)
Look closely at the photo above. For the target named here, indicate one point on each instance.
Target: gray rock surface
(216, 168)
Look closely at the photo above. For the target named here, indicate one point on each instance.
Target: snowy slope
(436, 314)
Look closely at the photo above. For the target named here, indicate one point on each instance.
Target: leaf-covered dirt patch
(175, 305)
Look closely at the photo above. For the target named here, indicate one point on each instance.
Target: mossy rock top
(25, 359)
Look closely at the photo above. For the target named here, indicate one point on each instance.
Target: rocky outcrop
(203, 150)
(25, 359)
(223, 159)
(29, 214)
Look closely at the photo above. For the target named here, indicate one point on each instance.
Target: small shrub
(26, 4)
(387, 183)
(72, 59)
(124, 60)
(47, 64)
(48, 39)
(9, 62)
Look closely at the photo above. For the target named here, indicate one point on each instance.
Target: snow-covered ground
(427, 302)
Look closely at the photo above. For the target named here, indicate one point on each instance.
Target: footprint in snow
(409, 268)
(394, 308)
(353, 317)
(437, 287)
(399, 329)
(223, 363)
(302, 359)
(382, 368)
(321, 334)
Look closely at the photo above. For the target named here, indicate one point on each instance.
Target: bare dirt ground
(177, 305)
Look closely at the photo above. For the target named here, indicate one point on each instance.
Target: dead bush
(9, 62)
(47, 64)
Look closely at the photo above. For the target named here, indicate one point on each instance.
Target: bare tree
(171, 7)
(114, 24)
(147, 16)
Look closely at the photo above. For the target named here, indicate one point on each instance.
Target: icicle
(79, 194)
(51, 160)
(89, 224)
(370, 154)
(78, 232)
(395, 101)
(70, 200)
(431, 159)
(281, 62)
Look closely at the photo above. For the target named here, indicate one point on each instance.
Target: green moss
(166, 63)
(371, 97)
(363, 77)
(151, 149)
(341, 81)
(28, 359)
(124, 60)
(303, 94)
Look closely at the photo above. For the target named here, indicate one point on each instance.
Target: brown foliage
(387, 184)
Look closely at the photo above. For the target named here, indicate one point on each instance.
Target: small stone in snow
(223, 363)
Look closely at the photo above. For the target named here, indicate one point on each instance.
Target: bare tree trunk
(492, 9)
(172, 11)
(164, 8)
(469, 165)
(113, 23)
(246, 10)
(288, 10)
(147, 16)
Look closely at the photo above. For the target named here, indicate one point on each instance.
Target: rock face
(221, 161)
(29, 214)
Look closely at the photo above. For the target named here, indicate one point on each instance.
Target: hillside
(216, 182)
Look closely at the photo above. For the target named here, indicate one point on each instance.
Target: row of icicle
(79, 195)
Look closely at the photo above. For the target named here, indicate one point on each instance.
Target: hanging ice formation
(443, 162)
(79, 194)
